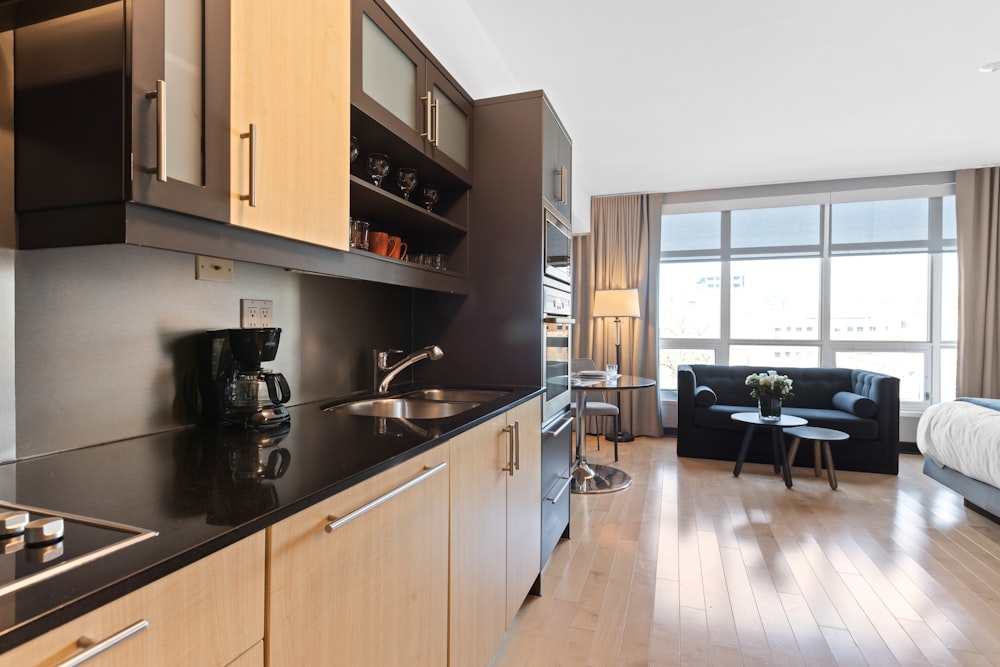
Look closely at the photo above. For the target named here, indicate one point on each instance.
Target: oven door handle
(555, 434)
(559, 320)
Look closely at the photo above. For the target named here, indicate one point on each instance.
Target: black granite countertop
(181, 484)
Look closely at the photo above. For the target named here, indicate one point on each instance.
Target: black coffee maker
(235, 389)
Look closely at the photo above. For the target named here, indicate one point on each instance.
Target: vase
(769, 409)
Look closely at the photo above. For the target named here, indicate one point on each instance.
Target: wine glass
(430, 196)
(406, 179)
(354, 149)
(378, 167)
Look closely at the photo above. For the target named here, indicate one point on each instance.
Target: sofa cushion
(856, 404)
(704, 397)
(720, 417)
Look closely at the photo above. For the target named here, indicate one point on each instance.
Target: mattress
(963, 435)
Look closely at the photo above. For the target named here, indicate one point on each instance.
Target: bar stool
(820, 437)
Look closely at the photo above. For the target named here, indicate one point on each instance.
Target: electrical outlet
(256, 313)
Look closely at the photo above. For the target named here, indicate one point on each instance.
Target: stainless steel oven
(557, 327)
(558, 249)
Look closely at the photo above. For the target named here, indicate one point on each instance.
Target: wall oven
(557, 333)
(558, 249)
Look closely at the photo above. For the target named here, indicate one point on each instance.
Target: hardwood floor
(691, 566)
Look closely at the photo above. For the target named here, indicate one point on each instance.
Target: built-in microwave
(558, 248)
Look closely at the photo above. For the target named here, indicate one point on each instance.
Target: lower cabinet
(209, 613)
(495, 529)
(362, 578)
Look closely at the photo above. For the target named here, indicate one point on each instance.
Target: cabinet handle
(252, 136)
(437, 122)
(561, 490)
(161, 130)
(336, 523)
(509, 430)
(428, 120)
(561, 175)
(92, 649)
(517, 445)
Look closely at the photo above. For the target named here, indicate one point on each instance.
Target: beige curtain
(622, 251)
(977, 208)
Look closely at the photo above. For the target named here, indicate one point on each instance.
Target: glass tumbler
(359, 234)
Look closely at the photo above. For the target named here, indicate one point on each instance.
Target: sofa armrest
(884, 390)
(686, 383)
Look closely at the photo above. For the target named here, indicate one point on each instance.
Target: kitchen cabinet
(557, 163)
(396, 82)
(290, 130)
(122, 102)
(362, 577)
(208, 613)
(405, 106)
(495, 529)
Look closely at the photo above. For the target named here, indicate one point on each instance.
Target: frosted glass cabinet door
(180, 105)
(451, 129)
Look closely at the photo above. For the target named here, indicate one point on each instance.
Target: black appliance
(557, 457)
(36, 544)
(557, 338)
(558, 249)
(234, 388)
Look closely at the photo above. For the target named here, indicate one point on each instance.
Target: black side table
(777, 426)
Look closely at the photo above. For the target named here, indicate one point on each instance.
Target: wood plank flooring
(692, 566)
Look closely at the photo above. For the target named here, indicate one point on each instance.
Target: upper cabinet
(122, 102)
(290, 132)
(398, 85)
(557, 163)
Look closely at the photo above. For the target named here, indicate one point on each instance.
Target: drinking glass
(378, 167)
(430, 196)
(406, 179)
(611, 370)
(359, 234)
(354, 149)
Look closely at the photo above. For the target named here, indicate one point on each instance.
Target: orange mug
(397, 248)
(378, 242)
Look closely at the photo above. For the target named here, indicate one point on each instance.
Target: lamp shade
(616, 303)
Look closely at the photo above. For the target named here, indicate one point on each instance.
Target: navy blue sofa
(863, 404)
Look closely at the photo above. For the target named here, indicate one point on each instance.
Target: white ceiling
(665, 95)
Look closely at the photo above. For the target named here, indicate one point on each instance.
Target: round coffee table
(819, 436)
(777, 426)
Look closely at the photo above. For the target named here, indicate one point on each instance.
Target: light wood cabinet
(209, 613)
(495, 529)
(290, 132)
(373, 590)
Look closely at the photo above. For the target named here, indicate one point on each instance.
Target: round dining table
(595, 477)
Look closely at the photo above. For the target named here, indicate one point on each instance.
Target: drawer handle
(336, 523)
(561, 491)
(556, 433)
(92, 649)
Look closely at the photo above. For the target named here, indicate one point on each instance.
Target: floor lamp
(617, 303)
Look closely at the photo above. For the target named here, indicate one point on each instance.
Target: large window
(854, 279)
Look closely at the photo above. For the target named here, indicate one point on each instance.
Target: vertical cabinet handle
(517, 445)
(251, 198)
(161, 130)
(437, 123)
(428, 117)
(561, 174)
(509, 430)
(92, 649)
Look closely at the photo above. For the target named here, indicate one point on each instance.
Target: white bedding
(964, 437)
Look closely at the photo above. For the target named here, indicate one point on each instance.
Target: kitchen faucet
(381, 382)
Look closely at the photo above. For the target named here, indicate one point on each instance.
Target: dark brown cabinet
(398, 84)
(122, 102)
(405, 106)
(557, 164)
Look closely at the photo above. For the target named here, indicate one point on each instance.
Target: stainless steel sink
(404, 408)
(461, 395)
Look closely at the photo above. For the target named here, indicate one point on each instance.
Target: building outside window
(859, 278)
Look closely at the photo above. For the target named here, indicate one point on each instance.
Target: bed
(960, 441)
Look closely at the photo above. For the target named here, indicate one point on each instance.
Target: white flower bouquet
(769, 385)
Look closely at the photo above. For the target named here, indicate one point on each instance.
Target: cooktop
(37, 544)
